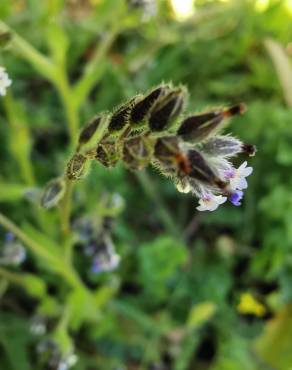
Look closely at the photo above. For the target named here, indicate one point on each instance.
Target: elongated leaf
(283, 67)
(42, 239)
(10, 192)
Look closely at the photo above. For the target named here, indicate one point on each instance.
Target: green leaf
(10, 192)
(43, 240)
(58, 42)
(283, 67)
(82, 308)
(14, 338)
(159, 262)
(34, 285)
(274, 345)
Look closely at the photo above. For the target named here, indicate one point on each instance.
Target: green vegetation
(183, 290)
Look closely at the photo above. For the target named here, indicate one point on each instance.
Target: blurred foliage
(173, 301)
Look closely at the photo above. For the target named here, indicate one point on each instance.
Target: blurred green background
(193, 291)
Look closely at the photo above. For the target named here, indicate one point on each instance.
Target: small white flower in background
(105, 262)
(4, 81)
(210, 202)
(237, 176)
(12, 252)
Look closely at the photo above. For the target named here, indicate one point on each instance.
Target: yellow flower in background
(249, 305)
(182, 9)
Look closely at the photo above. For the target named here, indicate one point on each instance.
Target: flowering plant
(88, 281)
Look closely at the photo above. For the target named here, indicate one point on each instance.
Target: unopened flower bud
(76, 167)
(53, 193)
(89, 130)
(107, 154)
(200, 127)
(120, 118)
(223, 146)
(166, 147)
(201, 171)
(249, 149)
(136, 153)
(167, 110)
(142, 108)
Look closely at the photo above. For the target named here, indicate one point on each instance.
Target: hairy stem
(65, 208)
(20, 138)
(95, 68)
(71, 110)
(55, 262)
(20, 46)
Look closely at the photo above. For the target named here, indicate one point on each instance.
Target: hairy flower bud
(142, 108)
(249, 149)
(166, 147)
(89, 130)
(53, 193)
(167, 109)
(200, 127)
(136, 153)
(201, 171)
(120, 118)
(107, 153)
(76, 167)
(224, 146)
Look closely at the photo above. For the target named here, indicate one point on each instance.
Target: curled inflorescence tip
(151, 129)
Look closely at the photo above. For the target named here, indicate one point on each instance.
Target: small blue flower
(9, 237)
(236, 197)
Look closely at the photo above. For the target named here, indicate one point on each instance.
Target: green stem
(65, 209)
(71, 110)
(19, 137)
(161, 208)
(95, 68)
(65, 212)
(30, 243)
(41, 63)
(55, 262)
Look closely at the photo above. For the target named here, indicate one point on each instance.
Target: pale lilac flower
(4, 81)
(210, 202)
(237, 176)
